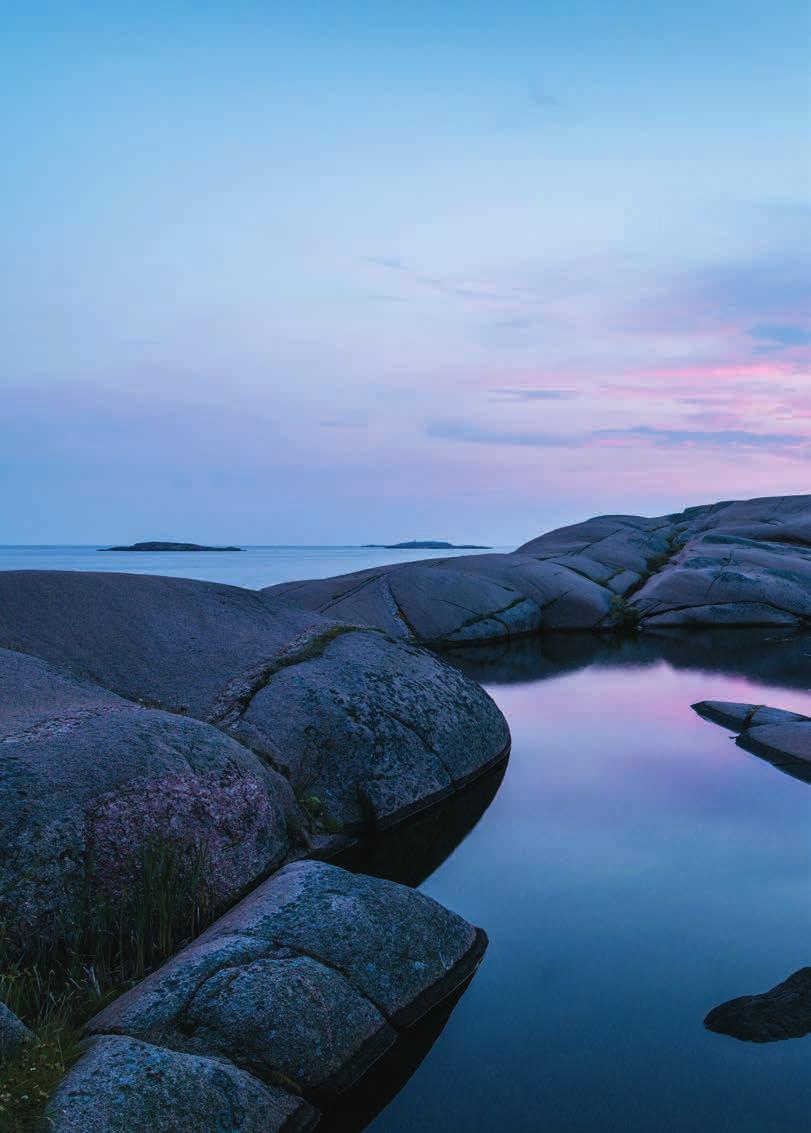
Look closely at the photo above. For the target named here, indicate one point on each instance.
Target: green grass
(625, 617)
(100, 949)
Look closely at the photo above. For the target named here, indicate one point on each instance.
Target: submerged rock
(781, 737)
(13, 1033)
(303, 986)
(784, 1012)
(733, 563)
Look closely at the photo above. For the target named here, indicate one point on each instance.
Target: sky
(357, 272)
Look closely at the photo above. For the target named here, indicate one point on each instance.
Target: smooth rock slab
(121, 1085)
(370, 727)
(376, 730)
(88, 779)
(307, 977)
(784, 1012)
(739, 716)
(781, 737)
(728, 564)
(13, 1033)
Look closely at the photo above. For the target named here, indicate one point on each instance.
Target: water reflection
(634, 867)
(409, 853)
(353, 1111)
(775, 657)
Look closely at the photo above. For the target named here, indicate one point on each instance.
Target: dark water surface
(634, 870)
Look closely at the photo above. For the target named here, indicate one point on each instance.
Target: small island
(428, 545)
(170, 547)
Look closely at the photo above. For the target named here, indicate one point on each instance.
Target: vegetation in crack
(237, 695)
(319, 820)
(623, 616)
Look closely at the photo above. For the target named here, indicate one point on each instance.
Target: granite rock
(781, 737)
(783, 1012)
(727, 564)
(296, 992)
(121, 1085)
(13, 1033)
(370, 728)
(88, 780)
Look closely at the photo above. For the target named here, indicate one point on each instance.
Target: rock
(429, 545)
(13, 1033)
(784, 1012)
(169, 547)
(779, 742)
(739, 717)
(371, 728)
(88, 780)
(303, 985)
(121, 1085)
(728, 564)
(399, 949)
(781, 737)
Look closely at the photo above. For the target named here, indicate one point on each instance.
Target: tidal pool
(634, 870)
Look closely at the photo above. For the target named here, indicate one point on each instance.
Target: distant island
(169, 547)
(428, 545)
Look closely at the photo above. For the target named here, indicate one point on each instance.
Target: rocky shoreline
(737, 563)
(248, 734)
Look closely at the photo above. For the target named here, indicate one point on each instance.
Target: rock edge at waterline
(288, 999)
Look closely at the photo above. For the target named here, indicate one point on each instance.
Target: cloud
(475, 434)
(540, 97)
(535, 394)
(392, 262)
(661, 437)
(781, 334)
(718, 438)
(773, 291)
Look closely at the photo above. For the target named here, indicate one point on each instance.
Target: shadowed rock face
(734, 563)
(784, 1012)
(783, 738)
(305, 983)
(372, 728)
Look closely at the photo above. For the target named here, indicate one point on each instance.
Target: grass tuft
(98, 950)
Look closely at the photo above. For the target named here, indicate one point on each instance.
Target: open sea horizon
(253, 567)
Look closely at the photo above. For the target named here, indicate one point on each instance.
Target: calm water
(253, 567)
(634, 870)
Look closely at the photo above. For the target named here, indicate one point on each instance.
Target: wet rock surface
(298, 990)
(726, 564)
(784, 1012)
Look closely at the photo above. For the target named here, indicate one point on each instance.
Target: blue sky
(341, 272)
